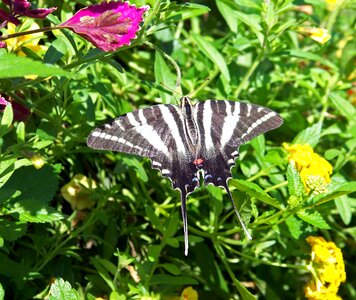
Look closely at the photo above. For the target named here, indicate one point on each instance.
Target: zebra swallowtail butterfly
(188, 143)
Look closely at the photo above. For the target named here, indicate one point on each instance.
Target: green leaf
(343, 189)
(163, 75)
(103, 271)
(19, 66)
(20, 132)
(2, 292)
(213, 54)
(259, 144)
(310, 135)
(344, 208)
(137, 166)
(295, 185)
(153, 218)
(313, 217)
(188, 11)
(344, 107)
(311, 56)
(7, 168)
(36, 188)
(6, 120)
(172, 268)
(10, 230)
(295, 226)
(62, 290)
(255, 191)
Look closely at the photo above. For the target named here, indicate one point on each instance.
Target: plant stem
(17, 34)
(250, 71)
(172, 61)
(242, 290)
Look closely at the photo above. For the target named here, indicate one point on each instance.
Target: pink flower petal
(108, 25)
(20, 6)
(2, 45)
(8, 17)
(39, 13)
(3, 103)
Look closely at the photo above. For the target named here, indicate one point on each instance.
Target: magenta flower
(19, 8)
(2, 45)
(3, 103)
(108, 25)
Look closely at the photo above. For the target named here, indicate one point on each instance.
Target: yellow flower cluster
(314, 170)
(328, 269)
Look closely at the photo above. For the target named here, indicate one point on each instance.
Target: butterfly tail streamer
(248, 235)
(185, 221)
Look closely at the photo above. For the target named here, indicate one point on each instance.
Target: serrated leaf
(295, 226)
(313, 217)
(295, 185)
(18, 66)
(11, 230)
(343, 189)
(213, 54)
(310, 135)
(37, 188)
(344, 107)
(62, 290)
(255, 191)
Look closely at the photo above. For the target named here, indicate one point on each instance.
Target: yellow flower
(320, 35)
(29, 41)
(38, 161)
(331, 4)
(189, 294)
(314, 170)
(328, 269)
(78, 191)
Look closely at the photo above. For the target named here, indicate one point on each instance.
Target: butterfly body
(189, 141)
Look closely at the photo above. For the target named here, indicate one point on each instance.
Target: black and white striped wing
(224, 126)
(156, 132)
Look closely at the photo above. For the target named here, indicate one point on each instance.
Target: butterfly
(189, 143)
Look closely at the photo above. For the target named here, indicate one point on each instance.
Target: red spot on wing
(198, 161)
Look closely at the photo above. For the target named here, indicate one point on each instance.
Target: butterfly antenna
(205, 82)
(238, 215)
(185, 221)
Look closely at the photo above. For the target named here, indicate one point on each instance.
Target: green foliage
(129, 244)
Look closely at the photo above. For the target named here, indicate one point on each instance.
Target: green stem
(250, 71)
(242, 290)
(276, 186)
(17, 34)
(266, 262)
(58, 248)
(172, 61)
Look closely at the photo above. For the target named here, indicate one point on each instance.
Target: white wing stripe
(229, 124)
(207, 116)
(169, 119)
(258, 122)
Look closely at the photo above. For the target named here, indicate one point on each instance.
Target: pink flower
(19, 8)
(3, 103)
(2, 45)
(108, 25)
